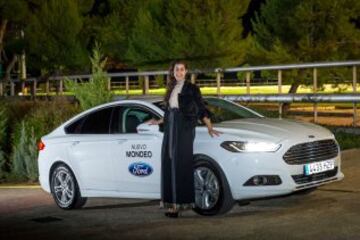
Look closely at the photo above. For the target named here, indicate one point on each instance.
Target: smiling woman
(183, 107)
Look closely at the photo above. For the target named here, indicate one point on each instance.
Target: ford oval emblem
(140, 169)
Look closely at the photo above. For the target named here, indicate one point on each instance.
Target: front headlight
(238, 146)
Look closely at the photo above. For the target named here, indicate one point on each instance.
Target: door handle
(75, 143)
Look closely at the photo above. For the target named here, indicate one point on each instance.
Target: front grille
(301, 178)
(311, 152)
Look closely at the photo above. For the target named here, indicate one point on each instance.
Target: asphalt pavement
(329, 212)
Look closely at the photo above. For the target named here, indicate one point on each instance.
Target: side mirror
(145, 128)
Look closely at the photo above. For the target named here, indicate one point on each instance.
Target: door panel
(90, 149)
(137, 157)
(137, 163)
(90, 154)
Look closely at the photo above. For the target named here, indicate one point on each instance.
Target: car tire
(212, 197)
(65, 189)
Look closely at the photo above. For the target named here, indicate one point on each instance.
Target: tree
(54, 36)
(206, 33)
(11, 25)
(95, 91)
(111, 24)
(297, 31)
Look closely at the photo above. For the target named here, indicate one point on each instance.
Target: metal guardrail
(294, 66)
(298, 97)
(281, 98)
(293, 98)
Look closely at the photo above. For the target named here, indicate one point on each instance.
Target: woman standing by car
(183, 107)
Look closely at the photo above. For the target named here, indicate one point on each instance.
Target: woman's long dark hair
(172, 80)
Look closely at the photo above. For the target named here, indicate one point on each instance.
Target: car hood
(272, 129)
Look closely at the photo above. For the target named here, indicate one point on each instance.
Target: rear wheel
(212, 193)
(65, 189)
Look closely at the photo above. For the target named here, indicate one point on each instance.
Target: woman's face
(179, 71)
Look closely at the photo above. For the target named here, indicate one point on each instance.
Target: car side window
(75, 127)
(93, 123)
(127, 118)
(97, 122)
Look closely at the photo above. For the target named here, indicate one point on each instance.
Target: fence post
(146, 85)
(23, 87)
(280, 91)
(61, 86)
(1, 88)
(193, 78)
(12, 88)
(33, 92)
(218, 81)
(354, 75)
(248, 75)
(314, 91)
(127, 85)
(47, 86)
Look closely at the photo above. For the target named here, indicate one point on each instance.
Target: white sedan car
(109, 151)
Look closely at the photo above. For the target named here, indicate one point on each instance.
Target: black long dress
(177, 183)
(177, 179)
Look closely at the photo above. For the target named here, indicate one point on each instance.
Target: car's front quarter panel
(239, 167)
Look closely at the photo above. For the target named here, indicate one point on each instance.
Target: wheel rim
(64, 187)
(207, 188)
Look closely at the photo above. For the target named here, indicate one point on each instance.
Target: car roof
(147, 98)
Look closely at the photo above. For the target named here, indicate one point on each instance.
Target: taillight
(41, 145)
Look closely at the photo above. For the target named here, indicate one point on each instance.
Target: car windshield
(222, 110)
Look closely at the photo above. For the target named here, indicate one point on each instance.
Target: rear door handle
(74, 143)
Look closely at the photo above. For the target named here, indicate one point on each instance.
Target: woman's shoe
(172, 214)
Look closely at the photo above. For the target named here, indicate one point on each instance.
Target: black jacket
(191, 104)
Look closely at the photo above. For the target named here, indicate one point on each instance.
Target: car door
(90, 150)
(137, 157)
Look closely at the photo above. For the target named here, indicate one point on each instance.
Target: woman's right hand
(154, 121)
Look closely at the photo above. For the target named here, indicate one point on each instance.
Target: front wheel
(64, 188)
(212, 193)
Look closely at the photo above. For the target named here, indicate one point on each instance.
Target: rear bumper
(44, 183)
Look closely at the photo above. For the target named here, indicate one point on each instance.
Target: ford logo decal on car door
(140, 169)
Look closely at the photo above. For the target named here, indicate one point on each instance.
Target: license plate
(319, 167)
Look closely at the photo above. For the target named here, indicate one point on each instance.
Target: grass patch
(243, 90)
(229, 90)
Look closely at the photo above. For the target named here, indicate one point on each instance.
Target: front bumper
(240, 167)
